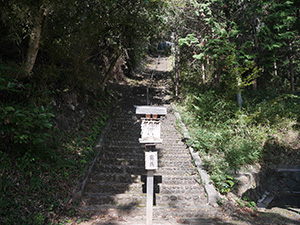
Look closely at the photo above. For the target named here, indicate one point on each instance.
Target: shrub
(24, 125)
(228, 138)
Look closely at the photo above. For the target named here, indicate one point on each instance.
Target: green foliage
(188, 40)
(36, 186)
(249, 203)
(227, 46)
(25, 124)
(227, 138)
(39, 163)
(223, 182)
(226, 43)
(275, 108)
(210, 109)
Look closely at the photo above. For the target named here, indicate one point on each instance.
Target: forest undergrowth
(264, 132)
(46, 144)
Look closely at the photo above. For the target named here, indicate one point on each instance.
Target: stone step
(126, 121)
(124, 130)
(117, 147)
(116, 183)
(168, 135)
(127, 129)
(139, 154)
(131, 211)
(169, 212)
(119, 169)
(173, 163)
(123, 142)
(130, 178)
(171, 145)
(113, 188)
(123, 139)
(114, 177)
(167, 150)
(171, 189)
(177, 200)
(140, 170)
(137, 188)
(175, 171)
(117, 161)
(140, 161)
(113, 154)
(121, 155)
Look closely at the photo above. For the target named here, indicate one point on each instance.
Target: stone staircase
(115, 186)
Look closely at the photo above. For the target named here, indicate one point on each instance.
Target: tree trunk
(254, 85)
(217, 74)
(276, 74)
(208, 67)
(239, 92)
(33, 46)
(176, 65)
(292, 72)
(203, 74)
(291, 67)
(108, 72)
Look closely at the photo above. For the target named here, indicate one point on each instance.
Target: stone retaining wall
(262, 185)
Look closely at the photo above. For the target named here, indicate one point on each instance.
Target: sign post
(150, 135)
(150, 166)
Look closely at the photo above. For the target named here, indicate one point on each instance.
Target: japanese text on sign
(151, 161)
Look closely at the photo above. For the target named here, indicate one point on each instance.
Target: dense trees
(55, 52)
(225, 48)
(243, 40)
(56, 60)
(73, 35)
(224, 41)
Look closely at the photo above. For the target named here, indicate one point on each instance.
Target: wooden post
(150, 135)
(150, 188)
(150, 166)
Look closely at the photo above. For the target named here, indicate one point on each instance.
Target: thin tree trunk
(108, 72)
(203, 73)
(208, 67)
(176, 65)
(239, 92)
(217, 74)
(276, 74)
(34, 44)
(292, 72)
(291, 67)
(254, 85)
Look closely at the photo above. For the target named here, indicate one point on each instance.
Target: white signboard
(151, 160)
(150, 132)
(154, 110)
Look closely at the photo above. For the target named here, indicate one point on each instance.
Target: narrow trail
(114, 193)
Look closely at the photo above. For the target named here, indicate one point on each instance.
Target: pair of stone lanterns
(150, 136)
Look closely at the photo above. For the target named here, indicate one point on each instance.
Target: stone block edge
(79, 188)
(212, 194)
